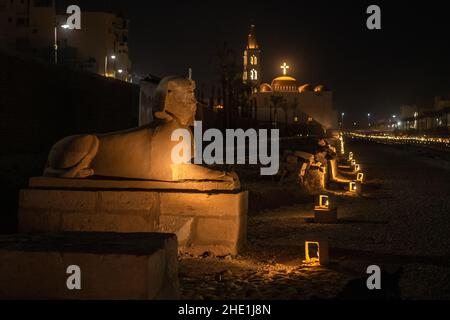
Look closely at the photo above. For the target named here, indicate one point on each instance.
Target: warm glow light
(120, 70)
(342, 145)
(357, 167)
(352, 186)
(312, 253)
(113, 57)
(445, 142)
(324, 202)
(284, 67)
(65, 26)
(353, 162)
(360, 177)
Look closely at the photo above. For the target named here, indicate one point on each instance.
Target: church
(285, 101)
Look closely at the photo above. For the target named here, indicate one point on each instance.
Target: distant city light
(404, 139)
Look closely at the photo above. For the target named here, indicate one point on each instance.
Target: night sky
(324, 42)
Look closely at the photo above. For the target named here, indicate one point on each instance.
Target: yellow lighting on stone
(360, 177)
(357, 167)
(350, 156)
(353, 162)
(312, 253)
(324, 202)
(352, 186)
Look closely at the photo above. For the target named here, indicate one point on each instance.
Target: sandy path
(402, 220)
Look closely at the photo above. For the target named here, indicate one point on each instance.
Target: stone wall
(111, 266)
(41, 103)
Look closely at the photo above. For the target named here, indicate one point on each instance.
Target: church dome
(265, 87)
(284, 83)
(304, 88)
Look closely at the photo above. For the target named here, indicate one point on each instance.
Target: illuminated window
(253, 74)
(253, 60)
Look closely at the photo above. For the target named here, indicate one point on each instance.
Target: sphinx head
(175, 98)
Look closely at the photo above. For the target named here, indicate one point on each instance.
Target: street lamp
(55, 45)
(368, 119)
(113, 57)
(342, 119)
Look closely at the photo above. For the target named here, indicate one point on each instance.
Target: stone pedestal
(111, 266)
(205, 216)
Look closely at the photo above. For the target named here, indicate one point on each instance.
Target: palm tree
(275, 102)
(230, 77)
(286, 106)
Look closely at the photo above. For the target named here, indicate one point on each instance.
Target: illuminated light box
(316, 253)
(325, 210)
(360, 177)
(355, 187)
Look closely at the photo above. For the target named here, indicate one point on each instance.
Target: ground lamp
(355, 187)
(342, 145)
(360, 177)
(325, 210)
(316, 253)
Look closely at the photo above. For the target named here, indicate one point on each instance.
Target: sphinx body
(139, 153)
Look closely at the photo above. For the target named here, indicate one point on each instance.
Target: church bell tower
(252, 61)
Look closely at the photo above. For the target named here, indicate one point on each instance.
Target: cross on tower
(284, 67)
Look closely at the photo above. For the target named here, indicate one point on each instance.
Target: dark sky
(324, 42)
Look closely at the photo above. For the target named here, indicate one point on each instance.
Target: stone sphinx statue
(139, 153)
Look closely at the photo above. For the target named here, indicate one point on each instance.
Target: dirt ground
(402, 220)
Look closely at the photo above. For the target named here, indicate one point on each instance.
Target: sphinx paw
(84, 173)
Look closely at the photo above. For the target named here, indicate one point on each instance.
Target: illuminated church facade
(284, 98)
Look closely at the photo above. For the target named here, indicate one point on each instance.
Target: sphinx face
(181, 102)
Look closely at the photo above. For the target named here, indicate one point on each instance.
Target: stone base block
(105, 265)
(202, 220)
(325, 215)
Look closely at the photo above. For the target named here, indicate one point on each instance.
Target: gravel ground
(403, 219)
